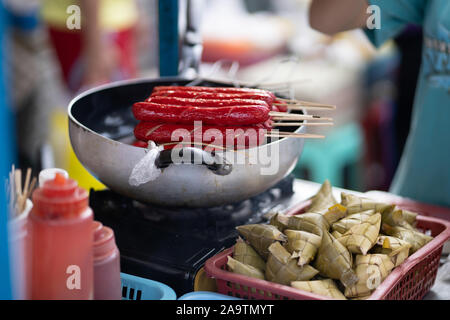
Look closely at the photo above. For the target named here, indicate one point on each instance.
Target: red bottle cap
(104, 241)
(59, 198)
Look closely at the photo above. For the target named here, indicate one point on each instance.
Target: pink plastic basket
(409, 281)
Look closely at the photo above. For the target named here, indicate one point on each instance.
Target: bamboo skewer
(306, 124)
(27, 182)
(277, 134)
(317, 104)
(291, 115)
(269, 135)
(306, 103)
(18, 181)
(294, 135)
(32, 186)
(300, 117)
(304, 107)
(301, 102)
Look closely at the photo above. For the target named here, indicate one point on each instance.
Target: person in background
(102, 50)
(409, 44)
(32, 91)
(423, 173)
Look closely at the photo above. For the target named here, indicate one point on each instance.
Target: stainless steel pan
(100, 120)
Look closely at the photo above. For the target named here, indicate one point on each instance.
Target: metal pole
(168, 37)
(6, 147)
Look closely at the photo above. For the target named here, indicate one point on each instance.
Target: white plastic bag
(146, 170)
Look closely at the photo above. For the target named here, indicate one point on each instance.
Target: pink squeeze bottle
(107, 284)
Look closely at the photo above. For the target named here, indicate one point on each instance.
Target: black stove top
(170, 245)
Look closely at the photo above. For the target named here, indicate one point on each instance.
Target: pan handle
(214, 162)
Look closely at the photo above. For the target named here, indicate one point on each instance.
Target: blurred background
(255, 41)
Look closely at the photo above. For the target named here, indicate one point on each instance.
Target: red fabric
(125, 41)
(68, 48)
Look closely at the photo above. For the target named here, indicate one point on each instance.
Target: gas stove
(171, 245)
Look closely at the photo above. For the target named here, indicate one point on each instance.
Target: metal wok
(101, 126)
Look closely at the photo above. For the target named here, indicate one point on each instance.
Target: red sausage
(215, 90)
(218, 135)
(232, 115)
(270, 100)
(209, 103)
(212, 95)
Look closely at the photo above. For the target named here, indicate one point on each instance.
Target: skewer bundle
(17, 195)
(231, 111)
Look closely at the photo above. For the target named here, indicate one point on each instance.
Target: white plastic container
(19, 247)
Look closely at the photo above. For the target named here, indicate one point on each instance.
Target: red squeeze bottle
(61, 241)
(107, 284)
